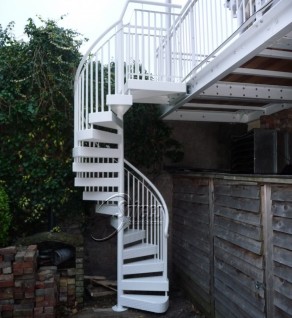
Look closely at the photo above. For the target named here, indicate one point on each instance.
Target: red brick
(28, 270)
(7, 307)
(30, 256)
(19, 256)
(38, 310)
(29, 294)
(6, 293)
(39, 285)
(32, 248)
(8, 250)
(6, 280)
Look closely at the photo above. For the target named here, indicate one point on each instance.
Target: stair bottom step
(157, 304)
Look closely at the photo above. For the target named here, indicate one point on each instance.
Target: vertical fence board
(233, 245)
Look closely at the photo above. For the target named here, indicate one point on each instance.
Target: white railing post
(119, 52)
(120, 239)
(168, 54)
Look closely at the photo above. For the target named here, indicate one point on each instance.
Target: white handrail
(156, 192)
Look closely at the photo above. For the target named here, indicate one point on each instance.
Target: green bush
(5, 216)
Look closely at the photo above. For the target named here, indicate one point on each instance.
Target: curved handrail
(84, 58)
(157, 194)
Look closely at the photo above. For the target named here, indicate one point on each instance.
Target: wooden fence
(232, 244)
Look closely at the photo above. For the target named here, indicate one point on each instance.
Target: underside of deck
(250, 78)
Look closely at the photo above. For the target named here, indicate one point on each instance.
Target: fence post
(267, 219)
(211, 242)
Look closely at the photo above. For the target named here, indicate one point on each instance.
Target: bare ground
(179, 307)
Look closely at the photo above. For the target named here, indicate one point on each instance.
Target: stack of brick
(67, 292)
(46, 292)
(7, 256)
(24, 272)
(79, 275)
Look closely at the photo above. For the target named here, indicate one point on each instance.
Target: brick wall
(279, 121)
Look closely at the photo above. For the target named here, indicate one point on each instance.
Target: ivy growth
(36, 121)
(148, 139)
(5, 216)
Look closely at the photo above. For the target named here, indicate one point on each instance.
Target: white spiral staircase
(107, 82)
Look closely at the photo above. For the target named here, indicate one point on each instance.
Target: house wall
(206, 145)
(232, 244)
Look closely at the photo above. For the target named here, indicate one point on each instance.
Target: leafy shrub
(148, 139)
(5, 216)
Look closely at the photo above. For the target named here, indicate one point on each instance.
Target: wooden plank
(224, 308)
(247, 230)
(280, 313)
(245, 294)
(197, 276)
(197, 259)
(282, 240)
(242, 279)
(283, 256)
(238, 215)
(282, 225)
(282, 193)
(283, 209)
(193, 214)
(190, 184)
(237, 239)
(268, 247)
(191, 197)
(201, 299)
(222, 258)
(188, 229)
(251, 205)
(241, 253)
(192, 210)
(237, 190)
(283, 303)
(283, 271)
(283, 287)
(235, 298)
(196, 244)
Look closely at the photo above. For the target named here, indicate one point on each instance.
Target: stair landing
(144, 91)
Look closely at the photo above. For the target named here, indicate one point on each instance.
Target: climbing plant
(36, 121)
(148, 139)
(5, 216)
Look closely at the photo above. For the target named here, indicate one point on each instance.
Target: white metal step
(106, 119)
(140, 250)
(145, 266)
(98, 136)
(155, 283)
(108, 209)
(100, 196)
(157, 304)
(96, 182)
(94, 152)
(134, 235)
(96, 167)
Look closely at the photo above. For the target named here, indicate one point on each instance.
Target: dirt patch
(179, 307)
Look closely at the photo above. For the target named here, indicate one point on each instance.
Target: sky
(88, 17)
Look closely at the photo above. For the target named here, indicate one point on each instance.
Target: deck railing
(158, 42)
(206, 27)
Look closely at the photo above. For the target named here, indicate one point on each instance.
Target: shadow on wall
(206, 145)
